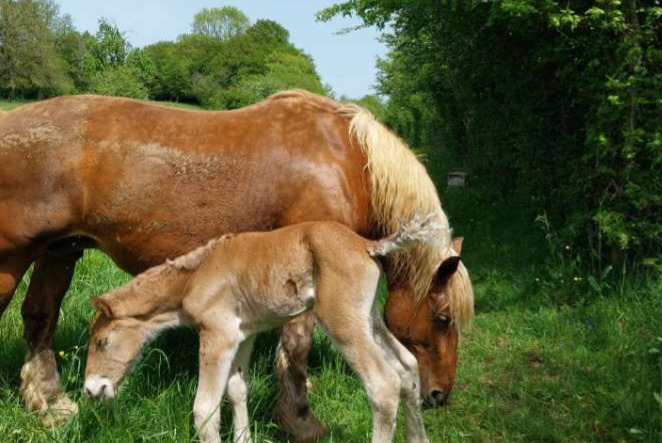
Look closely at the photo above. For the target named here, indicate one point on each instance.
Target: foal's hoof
(305, 428)
(59, 411)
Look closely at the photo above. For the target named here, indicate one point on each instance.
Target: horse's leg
(40, 382)
(217, 353)
(291, 360)
(238, 391)
(381, 381)
(405, 363)
(11, 272)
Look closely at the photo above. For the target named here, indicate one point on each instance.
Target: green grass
(535, 366)
(9, 105)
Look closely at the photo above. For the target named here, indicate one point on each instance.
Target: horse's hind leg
(405, 363)
(291, 360)
(40, 382)
(380, 379)
(343, 306)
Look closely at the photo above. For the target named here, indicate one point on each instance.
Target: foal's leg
(217, 353)
(380, 379)
(405, 363)
(238, 391)
(40, 382)
(291, 360)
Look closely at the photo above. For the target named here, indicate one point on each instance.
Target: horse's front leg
(40, 382)
(217, 352)
(291, 360)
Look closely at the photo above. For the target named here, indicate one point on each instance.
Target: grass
(534, 367)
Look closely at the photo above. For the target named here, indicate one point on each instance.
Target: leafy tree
(123, 81)
(555, 101)
(29, 63)
(221, 23)
(110, 47)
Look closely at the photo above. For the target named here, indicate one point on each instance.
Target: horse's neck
(159, 290)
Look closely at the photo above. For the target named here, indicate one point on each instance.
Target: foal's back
(270, 277)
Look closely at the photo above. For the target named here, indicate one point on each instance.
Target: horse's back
(149, 182)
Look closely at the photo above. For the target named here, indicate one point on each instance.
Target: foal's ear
(447, 268)
(103, 306)
(457, 244)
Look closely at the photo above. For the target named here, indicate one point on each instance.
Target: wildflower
(537, 279)
(61, 354)
(577, 279)
(567, 247)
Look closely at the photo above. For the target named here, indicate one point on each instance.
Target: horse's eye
(102, 342)
(442, 321)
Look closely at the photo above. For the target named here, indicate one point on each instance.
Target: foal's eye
(442, 321)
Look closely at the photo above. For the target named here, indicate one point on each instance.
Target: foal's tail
(419, 229)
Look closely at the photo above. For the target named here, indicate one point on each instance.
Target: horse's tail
(418, 229)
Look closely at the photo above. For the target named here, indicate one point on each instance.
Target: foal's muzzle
(99, 387)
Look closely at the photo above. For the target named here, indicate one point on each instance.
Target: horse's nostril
(88, 392)
(438, 397)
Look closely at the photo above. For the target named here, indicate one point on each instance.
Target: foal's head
(115, 344)
(430, 329)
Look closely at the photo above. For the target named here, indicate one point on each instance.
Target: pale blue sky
(346, 62)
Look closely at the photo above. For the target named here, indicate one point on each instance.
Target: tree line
(225, 61)
(558, 103)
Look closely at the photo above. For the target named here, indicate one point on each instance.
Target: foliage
(558, 101)
(118, 81)
(29, 63)
(222, 23)
(224, 63)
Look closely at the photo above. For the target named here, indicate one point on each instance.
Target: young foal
(242, 284)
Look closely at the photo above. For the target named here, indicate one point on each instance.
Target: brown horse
(144, 183)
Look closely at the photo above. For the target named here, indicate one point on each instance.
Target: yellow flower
(577, 279)
(61, 353)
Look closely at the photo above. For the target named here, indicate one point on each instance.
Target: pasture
(550, 356)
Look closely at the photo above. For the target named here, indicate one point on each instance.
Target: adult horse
(144, 183)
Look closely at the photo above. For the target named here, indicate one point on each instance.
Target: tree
(555, 101)
(221, 23)
(29, 63)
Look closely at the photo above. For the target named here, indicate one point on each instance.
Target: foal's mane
(400, 189)
(147, 290)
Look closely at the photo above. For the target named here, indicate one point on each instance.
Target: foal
(239, 285)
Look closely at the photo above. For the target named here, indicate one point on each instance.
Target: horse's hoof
(59, 411)
(304, 429)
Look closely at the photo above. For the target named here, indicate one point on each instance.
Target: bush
(122, 81)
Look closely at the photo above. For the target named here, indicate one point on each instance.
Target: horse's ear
(457, 244)
(447, 269)
(103, 306)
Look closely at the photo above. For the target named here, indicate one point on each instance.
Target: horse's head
(430, 329)
(115, 344)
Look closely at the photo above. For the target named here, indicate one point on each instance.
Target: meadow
(554, 353)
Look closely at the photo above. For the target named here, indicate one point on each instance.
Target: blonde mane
(400, 190)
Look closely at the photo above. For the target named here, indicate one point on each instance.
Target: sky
(345, 62)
